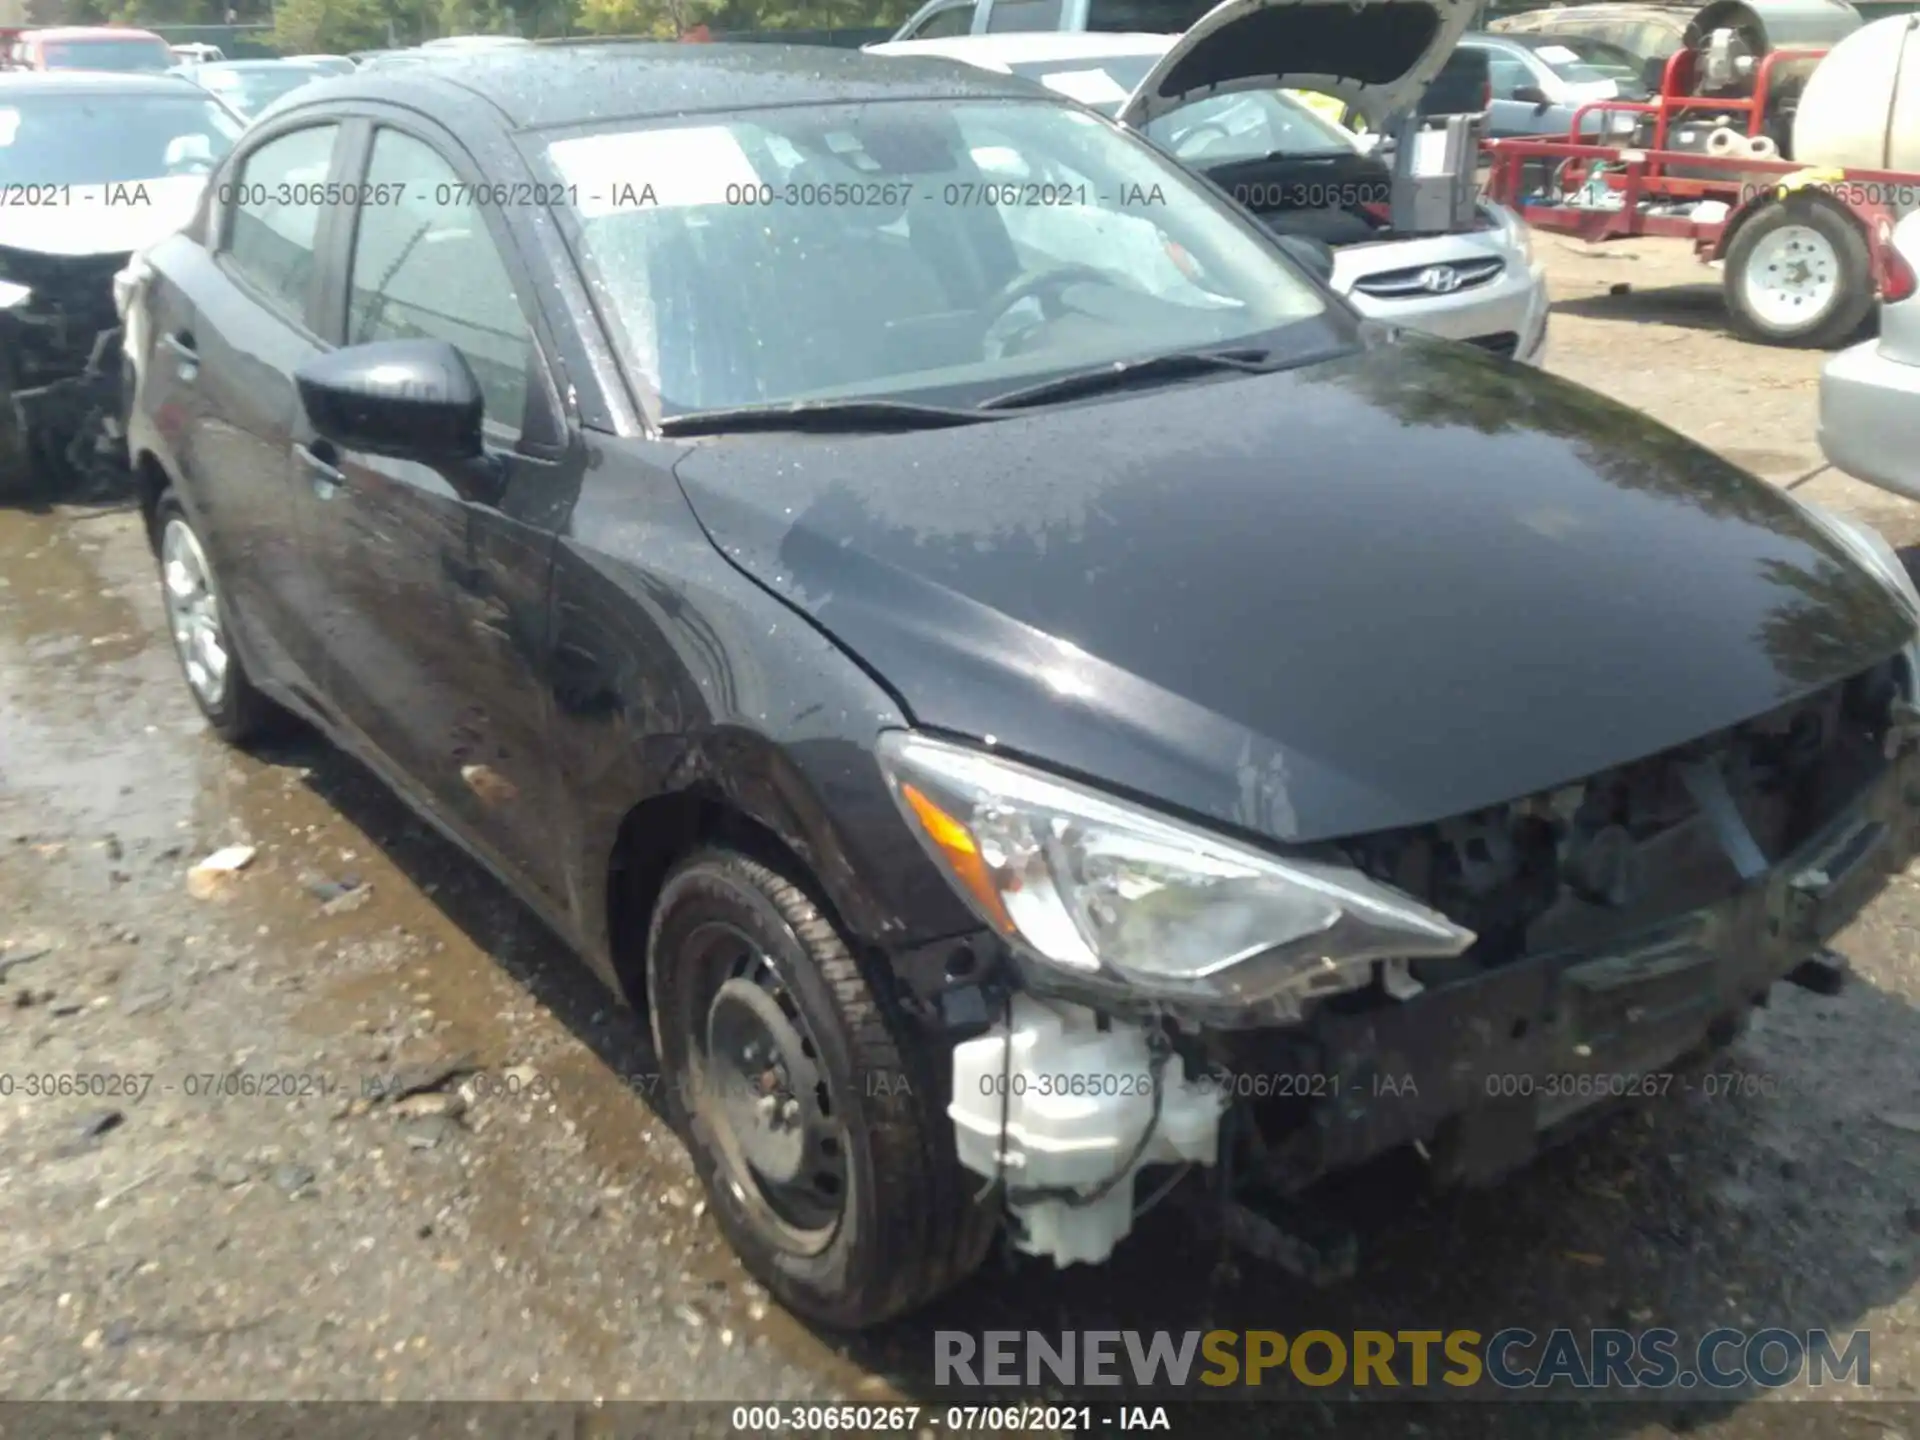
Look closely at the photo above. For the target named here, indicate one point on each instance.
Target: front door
(435, 612)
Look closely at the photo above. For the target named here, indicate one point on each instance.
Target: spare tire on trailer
(1798, 272)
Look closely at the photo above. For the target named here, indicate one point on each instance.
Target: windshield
(123, 55)
(93, 139)
(251, 91)
(1219, 130)
(1579, 61)
(907, 249)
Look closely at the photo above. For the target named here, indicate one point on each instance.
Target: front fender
(682, 679)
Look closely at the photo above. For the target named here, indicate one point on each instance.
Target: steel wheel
(811, 1108)
(193, 613)
(1798, 272)
(1792, 277)
(758, 1084)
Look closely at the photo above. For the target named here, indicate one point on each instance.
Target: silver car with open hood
(1229, 98)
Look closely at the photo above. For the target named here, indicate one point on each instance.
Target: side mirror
(1312, 255)
(405, 399)
(1532, 95)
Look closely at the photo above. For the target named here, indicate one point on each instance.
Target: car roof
(97, 82)
(304, 62)
(1023, 47)
(558, 83)
(89, 32)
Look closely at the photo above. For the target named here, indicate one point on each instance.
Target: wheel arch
(150, 482)
(741, 789)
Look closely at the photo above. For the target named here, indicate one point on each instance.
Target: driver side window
(426, 267)
(276, 217)
(954, 20)
(1507, 75)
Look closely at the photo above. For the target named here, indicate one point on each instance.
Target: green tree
(476, 17)
(331, 27)
(655, 19)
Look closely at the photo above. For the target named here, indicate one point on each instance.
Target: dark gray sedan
(982, 705)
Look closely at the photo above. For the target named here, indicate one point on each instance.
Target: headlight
(1870, 548)
(1519, 234)
(12, 294)
(1094, 886)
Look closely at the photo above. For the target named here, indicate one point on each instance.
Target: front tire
(814, 1120)
(199, 624)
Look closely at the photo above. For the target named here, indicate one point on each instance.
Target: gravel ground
(442, 1177)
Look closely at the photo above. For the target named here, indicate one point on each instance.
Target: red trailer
(1806, 251)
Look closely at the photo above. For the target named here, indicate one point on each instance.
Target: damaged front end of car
(60, 370)
(1473, 988)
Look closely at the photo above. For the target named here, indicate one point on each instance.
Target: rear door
(435, 593)
(230, 324)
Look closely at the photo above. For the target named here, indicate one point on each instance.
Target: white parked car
(94, 167)
(1218, 99)
(1870, 394)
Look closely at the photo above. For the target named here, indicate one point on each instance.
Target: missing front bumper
(1482, 1071)
(54, 433)
(1480, 1074)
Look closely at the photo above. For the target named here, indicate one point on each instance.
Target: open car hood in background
(1377, 56)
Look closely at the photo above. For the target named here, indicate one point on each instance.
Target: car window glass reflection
(276, 216)
(54, 139)
(424, 267)
(907, 249)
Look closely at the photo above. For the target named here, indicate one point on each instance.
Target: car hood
(1375, 55)
(1375, 592)
(103, 219)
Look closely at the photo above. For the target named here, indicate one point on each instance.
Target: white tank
(1861, 107)
(1066, 1104)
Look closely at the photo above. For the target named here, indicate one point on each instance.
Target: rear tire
(1798, 273)
(854, 1210)
(199, 625)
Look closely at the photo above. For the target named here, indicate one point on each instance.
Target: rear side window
(151, 56)
(1150, 17)
(955, 20)
(426, 267)
(276, 216)
(1007, 16)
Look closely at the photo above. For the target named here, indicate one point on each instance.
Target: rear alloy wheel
(1798, 273)
(197, 623)
(811, 1116)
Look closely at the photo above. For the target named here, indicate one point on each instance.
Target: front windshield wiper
(1175, 365)
(822, 416)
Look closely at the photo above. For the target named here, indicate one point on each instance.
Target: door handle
(180, 342)
(322, 473)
